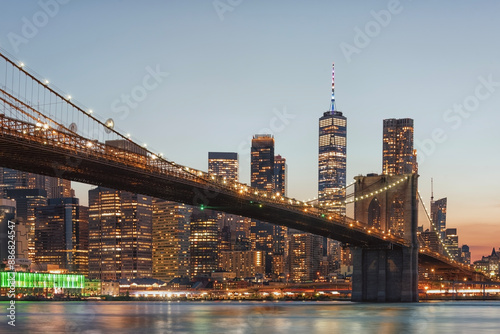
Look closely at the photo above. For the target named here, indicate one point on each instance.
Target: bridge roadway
(39, 148)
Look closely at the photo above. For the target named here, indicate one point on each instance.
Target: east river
(253, 317)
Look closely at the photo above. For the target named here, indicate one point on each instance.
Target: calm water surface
(253, 317)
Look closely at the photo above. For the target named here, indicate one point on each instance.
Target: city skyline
(289, 95)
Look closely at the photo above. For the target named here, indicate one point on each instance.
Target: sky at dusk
(221, 71)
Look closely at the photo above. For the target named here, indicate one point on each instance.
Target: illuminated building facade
(243, 263)
(14, 179)
(304, 257)
(268, 173)
(42, 283)
(465, 254)
(262, 162)
(332, 157)
(61, 234)
(432, 241)
(27, 200)
(451, 243)
(332, 161)
(489, 264)
(204, 237)
(234, 231)
(280, 175)
(170, 239)
(438, 215)
(120, 234)
(7, 213)
(399, 157)
(223, 164)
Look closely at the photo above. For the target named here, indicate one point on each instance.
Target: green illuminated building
(41, 283)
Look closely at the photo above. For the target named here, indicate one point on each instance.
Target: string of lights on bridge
(109, 125)
(319, 210)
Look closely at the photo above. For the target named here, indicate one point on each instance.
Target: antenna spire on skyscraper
(332, 108)
(432, 191)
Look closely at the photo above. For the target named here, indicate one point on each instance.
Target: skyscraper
(170, 239)
(438, 215)
(332, 157)
(120, 234)
(268, 174)
(304, 257)
(280, 175)
(262, 162)
(61, 234)
(27, 200)
(223, 164)
(451, 243)
(204, 235)
(399, 157)
(465, 254)
(262, 177)
(14, 179)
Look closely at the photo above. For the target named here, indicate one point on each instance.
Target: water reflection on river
(254, 317)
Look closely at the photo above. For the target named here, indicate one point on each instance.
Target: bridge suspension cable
(433, 229)
(32, 109)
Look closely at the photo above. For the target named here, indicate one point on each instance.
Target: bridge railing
(34, 110)
(80, 146)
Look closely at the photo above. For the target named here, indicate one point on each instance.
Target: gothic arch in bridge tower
(374, 217)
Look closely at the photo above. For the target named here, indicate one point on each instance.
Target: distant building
(399, 157)
(7, 213)
(432, 241)
(262, 162)
(61, 235)
(451, 243)
(332, 171)
(120, 234)
(280, 175)
(267, 237)
(304, 257)
(14, 179)
(489, 264)
(465, 254)
(332, 161)
(37, 284)
(243, 263)
(438, 215)
(223, 164)
(203, 239)
(170, 239)
(27, 200)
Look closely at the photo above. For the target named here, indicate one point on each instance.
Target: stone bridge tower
(387, 274)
